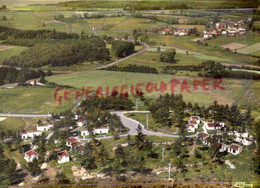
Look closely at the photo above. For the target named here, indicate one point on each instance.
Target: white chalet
(101, 130)
(81, 122)
(190, 128)
(234, 149)
(244, 141)
(30, 134)
(214, 125)
(70, 141)
(196, 118)
(44, 127)
(194, 122)
(84, 132)
(63, 157)
(29, 156)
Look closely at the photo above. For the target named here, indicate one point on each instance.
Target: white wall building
(44, 127)
(101, 130)
(190, 128)
(63, 157)
(29, 156)
(30, 134)
(234, 149)
(84, 132)
(81, 122)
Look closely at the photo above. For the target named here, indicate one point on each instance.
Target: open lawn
(12, 123)
(233, 87)
(6, 53)
(30, 100)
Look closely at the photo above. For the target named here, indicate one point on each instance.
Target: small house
(84, 132)
(29, 156)
(101, 130)
(190, 128)
(44, 127)
(81, 122)
(70, 141)
(194, 122)
(63, 157)
(234, 149)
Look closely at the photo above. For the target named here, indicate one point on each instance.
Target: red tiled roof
(72, 140)
(31, 153)
(219, 145)
(234, 146)
(212, 124)
(63, 154)
(84, 130)
(33, 131)
(23, 132)
(195, 117)
(42, 125)
(81, 120)
(101, 128)
(203, 135)
(190, 125)
(193, 122)
(77, 143)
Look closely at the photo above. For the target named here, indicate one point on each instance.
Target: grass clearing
(233, 87)
(30, 100)
(12, 123)
(6, 53)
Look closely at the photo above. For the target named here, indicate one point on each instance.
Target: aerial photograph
(130, 93)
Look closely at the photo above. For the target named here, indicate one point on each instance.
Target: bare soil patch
(234, 46)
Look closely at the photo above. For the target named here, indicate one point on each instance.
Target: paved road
(131, 124)
(26, 115)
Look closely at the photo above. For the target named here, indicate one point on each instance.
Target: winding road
(131, 124)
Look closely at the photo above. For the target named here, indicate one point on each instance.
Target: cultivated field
(234, 46)
(249, 49)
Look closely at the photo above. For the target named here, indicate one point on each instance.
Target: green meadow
(11, 123)
(30, 100)
(234, 88)
(10, 51)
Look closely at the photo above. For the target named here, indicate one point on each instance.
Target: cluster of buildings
(175, 32)
(232, 147)
(62, 156)
(72, 143)
(193, 124)
(37, 132)
(227, 28)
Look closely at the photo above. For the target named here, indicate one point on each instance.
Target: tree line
(133, 68)
(12, 75)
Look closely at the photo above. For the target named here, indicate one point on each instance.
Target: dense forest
(61, 54)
